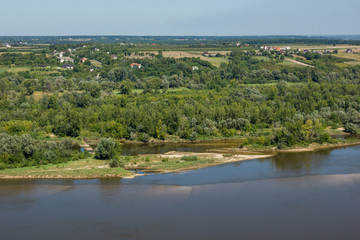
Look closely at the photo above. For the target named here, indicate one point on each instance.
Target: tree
(30, 86)
(161, 130)
(107, 148)
(126, 87)
(68, 124)
(4, 86)
(351, 128)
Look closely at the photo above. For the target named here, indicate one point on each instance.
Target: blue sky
(182, 17)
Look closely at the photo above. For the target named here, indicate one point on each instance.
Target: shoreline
(313, 148)
(214, 158)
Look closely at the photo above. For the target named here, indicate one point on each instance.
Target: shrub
(190, 158)
(351, 128)
(193, 136)
(228, 132)
(113, 163)
(144, 137)
(107, 148)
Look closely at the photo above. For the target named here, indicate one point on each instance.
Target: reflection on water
(311, 207)
(310, 195)
(305, 161)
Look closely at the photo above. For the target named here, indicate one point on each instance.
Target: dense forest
(169, 99)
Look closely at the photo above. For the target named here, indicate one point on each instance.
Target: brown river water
(308, 195)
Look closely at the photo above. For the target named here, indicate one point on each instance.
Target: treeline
(191, 114)
(24, 151)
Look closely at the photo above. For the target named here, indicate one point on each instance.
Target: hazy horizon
(185, 18)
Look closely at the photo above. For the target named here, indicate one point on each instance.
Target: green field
(14, 69)
(87, 168)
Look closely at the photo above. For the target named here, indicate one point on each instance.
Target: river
(309, 195)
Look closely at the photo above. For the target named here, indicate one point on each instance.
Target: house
(205, 54)
(67, 66)
(237, 44)
(114, 57)
(7, 45)
(349, 50)
(135, 65)
(259, 54)
(317, 52)
(66, 59)
(83, 60)
(195, 68)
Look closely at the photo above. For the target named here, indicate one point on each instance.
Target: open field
(353, 56)
(1, 53)
(320, 47)
(292, 62)
(37, 95)
(14, 69)
(87, 168)
(216, 61)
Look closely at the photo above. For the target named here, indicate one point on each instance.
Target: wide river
(313, 195)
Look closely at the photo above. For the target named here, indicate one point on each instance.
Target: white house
(66, 59)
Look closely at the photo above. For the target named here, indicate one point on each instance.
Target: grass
(154, 163)
(215, 61)
(92, 168)
(37, 95)
(353, 56)
(14, 69)
(87, 168)
(266, 59)
(286, 63)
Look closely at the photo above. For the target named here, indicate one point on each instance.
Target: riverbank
(81, 169)
(315, 147)
(172, 161)
(159, 163)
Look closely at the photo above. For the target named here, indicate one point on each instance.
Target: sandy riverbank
(155, 163)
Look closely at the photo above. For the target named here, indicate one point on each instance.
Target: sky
(179, 18)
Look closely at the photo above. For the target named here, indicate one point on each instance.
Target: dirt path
(87, 148)
(300, 63)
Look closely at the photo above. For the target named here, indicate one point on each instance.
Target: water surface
(314, 195)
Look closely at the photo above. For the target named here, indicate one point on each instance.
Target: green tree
(4, 86)
(29, 86)
(107, 148)
(126, 87)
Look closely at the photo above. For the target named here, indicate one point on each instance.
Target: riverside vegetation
(269, 104)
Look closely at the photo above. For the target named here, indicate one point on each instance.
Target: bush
(190, 158)
(114, 163)
(144, 137)
(193, 136)
(351, 128)
(228, 132)
(107, 148)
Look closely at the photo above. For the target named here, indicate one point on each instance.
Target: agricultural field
(14, 69)
(216, 61)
